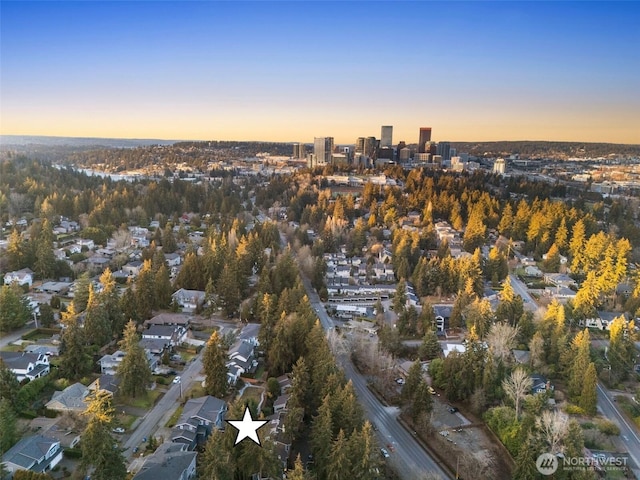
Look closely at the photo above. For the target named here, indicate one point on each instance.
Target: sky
(292, 71)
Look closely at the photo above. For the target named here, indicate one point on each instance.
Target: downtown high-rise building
(425, 136)
(444, 150)
(299, 150)
(322, 150)
(386, 136)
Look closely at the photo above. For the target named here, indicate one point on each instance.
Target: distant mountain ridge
(25, 140)
(547, 149)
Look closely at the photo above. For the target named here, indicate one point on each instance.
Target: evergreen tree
(552, 262)
(215, 369)
(580, 360)
(511, 306)
(169, 244)
(229, 294)
(298, 470)
(129, 307)
(9, 385)
(576, 246)
(15, 251)
(506, 222)
(8, 432)
(97, 444)
(400, 298)
(430, 347)
(621, 352)
(562, 236)
(145, 292)
(75, 359)
(216, 461)
(81, 292)
(414, 377)
(588, 398)
(14, 308)
(96, 323)
(340, 464)
(133, 371)
(321, 438)
(45, 260)
(163, 289)
(109, 298)
(476, 231)
(421, 403)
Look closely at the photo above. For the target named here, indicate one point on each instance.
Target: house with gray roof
(71, 399)
(26, 365)
(37, 453)
(199, 417)
(171, 461)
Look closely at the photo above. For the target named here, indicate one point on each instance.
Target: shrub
(608, 427)
(574, 410)
(73, 452)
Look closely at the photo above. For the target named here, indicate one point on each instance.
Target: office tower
(499, 166)
(371, 147)
(431, 147)
(444, 150)
(299, 150)
(405, 154)
(425, 136)
(359, 149)
(386, 136)
(453, 152)
(323, 148)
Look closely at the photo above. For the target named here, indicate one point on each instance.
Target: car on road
(400, 381)
(453, 409)
(384, 452)
(118, 430)
(135, 449)
(177, 379)
(431, 390)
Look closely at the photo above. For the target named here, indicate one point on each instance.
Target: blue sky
(289, 71)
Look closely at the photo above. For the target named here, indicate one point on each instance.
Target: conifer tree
(133, 371)
(430, 347)
(339, 464)
(76, 361)
(8, 432)
(97, 444)
(96, 324)
(579, 363)
(14, 308)
(215, 369)
(414, 377)
(81, 292)
(588, 397)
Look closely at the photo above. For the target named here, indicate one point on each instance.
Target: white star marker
(247, 427)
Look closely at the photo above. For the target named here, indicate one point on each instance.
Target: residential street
(521, 289)
(169, 401)
(408, 458)
(628, 435)
(15, 335)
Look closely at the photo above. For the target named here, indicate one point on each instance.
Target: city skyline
(253, 71)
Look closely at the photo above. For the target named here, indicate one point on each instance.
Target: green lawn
(252, 392)
(174, 418)
(148, 401)
(124, 420)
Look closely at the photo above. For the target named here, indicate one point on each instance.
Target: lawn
(174, 418)
(124, 420)
(148, 401)
(254, 393)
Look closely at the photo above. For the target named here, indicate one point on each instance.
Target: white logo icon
(547, 464)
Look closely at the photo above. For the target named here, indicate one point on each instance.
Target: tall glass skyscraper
(425, 136)
(322, 149)
(386, 136)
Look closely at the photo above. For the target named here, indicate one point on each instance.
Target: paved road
(170, 400)
(521, 289)
(15, 335)
(628, 435)
(408, 458)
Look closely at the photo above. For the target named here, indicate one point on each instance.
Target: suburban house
(172, 334)
(71, 399)
(540, 383)
(281, 403)
(177, 319)
(602, 321)
(22, 277)
(58, 428)
(132, 268)
(26, 365)
(533, 271)
(37, 453)
(560, 280)
(106, 383)
(561, 294)
(109, 363)
(241, 360)
(189, 300)
(171, 461)
(199, 417)
(173, 259)
(285, 383)
(443, 314)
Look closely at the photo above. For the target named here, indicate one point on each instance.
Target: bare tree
(517, 386)
(536, 352)
(337, 343)
(122, 238)
(553, 426)
(501, 340)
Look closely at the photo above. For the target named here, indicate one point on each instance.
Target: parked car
(177, 379)
(384, 452)
(400, 381)
(118, 430)
(453, 409)
(431, 390)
